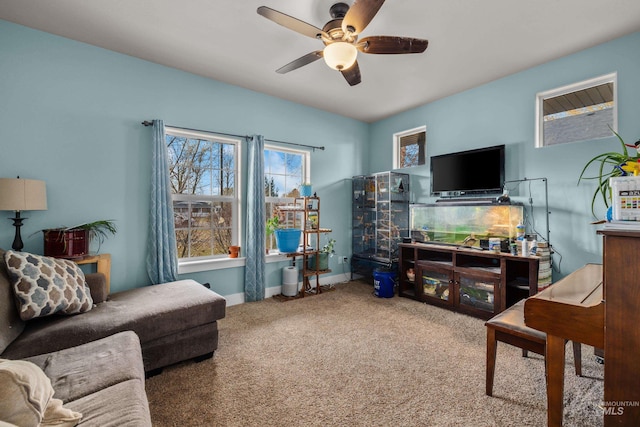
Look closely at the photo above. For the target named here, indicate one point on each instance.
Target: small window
(409, 148)
(203, 170)
(578, 112)
(284, 171)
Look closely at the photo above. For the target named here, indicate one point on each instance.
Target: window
(203, 170)
(577, 112)
(409, 148)
(284, 171)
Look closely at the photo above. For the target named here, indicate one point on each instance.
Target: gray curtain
(162, 255)
(254, 271)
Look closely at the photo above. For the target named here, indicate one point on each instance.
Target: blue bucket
(288, 240)
(383, 283)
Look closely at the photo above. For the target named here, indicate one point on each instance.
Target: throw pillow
(25, 392)
(26, 397)
(44, 285)
(59, 416)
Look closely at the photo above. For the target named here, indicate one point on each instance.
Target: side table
(103, 265)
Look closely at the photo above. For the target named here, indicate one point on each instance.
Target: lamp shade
(340, 55)
(18, 194)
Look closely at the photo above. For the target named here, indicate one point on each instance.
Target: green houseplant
(73, 242)
(611, 164)
(323, 256)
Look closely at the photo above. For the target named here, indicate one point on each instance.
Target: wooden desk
(103, 265)
(571, 309)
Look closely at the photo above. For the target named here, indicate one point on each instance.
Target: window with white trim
(284, 171)
(205, 183)
(580, 111)
(409, 148)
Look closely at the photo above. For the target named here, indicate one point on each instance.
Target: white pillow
(26, 397)
(57, 415)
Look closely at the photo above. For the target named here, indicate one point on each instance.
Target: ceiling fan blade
(300, 62)
(391, 45)
(290, 22)
(352, 74)
(359, 15)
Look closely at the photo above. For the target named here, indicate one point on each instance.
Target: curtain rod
(313, 147)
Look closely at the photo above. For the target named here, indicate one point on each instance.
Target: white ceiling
(471, 42)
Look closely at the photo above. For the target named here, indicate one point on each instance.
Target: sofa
(100, 383)
(94, 345)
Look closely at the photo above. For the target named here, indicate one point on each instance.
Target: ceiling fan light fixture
(340, 55)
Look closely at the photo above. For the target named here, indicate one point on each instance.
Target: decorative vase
(305, 190)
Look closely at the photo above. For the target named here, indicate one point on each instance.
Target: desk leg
(554, 360)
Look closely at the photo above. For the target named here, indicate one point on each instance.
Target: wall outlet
(343, 260)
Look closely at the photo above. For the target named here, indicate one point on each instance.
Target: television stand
(475, 282)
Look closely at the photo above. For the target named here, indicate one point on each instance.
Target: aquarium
(464, 223)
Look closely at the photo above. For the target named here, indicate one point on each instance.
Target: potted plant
(323, 256)
(273, 224)
(287, 239)
(73, 242)
(612, 164)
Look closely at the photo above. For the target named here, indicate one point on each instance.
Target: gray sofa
(103, 380)
(170, 322)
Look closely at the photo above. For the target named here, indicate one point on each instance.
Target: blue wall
(503, 112)
(70, 115)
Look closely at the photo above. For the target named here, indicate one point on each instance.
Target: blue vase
(305, 190)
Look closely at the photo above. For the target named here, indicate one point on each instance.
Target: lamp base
(17, 240)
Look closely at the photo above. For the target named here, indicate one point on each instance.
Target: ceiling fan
(340, 37)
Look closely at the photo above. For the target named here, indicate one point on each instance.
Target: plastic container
(494, 244)
(288, 240)
(383, 283)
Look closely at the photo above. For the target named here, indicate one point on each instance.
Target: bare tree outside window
(409, 148)
(203, 178)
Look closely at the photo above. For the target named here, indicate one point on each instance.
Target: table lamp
(21, 195)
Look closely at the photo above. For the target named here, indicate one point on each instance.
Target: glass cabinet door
(434, 283)
(477, 294)
(363, 233)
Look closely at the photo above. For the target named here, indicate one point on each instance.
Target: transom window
(577, 112)
(409, 148)
(284, 171)
(203, 170)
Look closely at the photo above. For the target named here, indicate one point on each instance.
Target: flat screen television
(468, 173)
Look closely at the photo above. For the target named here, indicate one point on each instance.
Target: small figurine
(636, 146)
(470, 240)
(410, 274)
(631, 167)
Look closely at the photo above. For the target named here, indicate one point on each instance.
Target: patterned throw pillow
(44, 285)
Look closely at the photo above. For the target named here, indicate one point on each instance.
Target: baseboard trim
(325, 279)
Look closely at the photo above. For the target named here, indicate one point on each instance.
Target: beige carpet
(347, 358)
